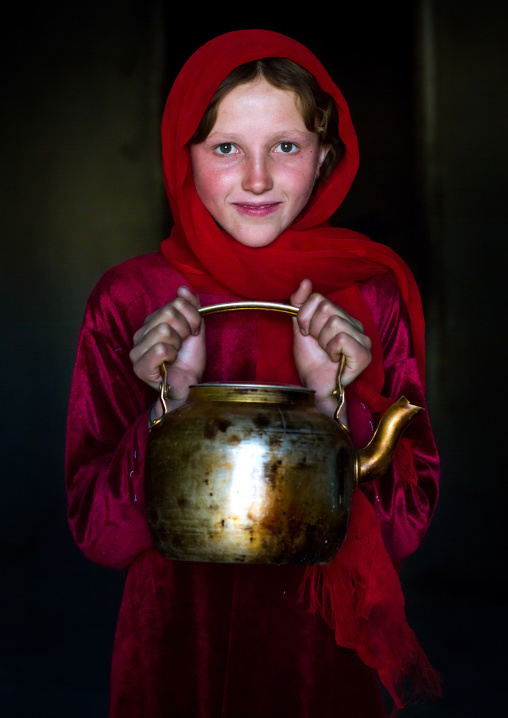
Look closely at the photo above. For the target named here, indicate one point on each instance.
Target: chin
(255, 243)
(256, 238)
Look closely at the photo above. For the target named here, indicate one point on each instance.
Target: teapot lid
(251, 392)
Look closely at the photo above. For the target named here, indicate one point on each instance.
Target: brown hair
(318, 108)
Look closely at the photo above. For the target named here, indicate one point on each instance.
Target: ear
(323, 151)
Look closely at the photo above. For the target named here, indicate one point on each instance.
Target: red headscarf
(335, 260)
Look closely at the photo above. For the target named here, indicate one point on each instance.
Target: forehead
(259, 101)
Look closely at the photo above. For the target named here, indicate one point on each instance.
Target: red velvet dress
(199, 640)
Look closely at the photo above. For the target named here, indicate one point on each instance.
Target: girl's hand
(324, 331)
(174, 334)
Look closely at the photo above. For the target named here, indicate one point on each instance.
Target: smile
(257, 210)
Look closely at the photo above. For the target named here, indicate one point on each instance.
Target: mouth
(252, 209)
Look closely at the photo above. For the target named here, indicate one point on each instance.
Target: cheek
(211, 185)
(204, 178)
(306, 171)
(205, 186)
(303, 182)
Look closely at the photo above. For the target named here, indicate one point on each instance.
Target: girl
(259, 151)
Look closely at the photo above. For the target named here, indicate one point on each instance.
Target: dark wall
(81, 191)
(83, 91)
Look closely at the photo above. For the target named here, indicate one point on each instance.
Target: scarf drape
(359, 592)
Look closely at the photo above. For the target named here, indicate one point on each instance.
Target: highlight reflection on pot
(247, 495)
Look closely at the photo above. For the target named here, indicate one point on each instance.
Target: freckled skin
(256, 170)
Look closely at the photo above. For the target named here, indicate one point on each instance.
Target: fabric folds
(336, 260)
(202, 640)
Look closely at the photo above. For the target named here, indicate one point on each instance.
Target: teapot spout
(373, 460)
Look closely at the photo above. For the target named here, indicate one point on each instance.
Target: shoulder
(133, 275)
(388, 308)
(127, 293)
(382, 295)
(383, 287)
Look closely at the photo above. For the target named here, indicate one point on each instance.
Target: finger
(179, 314)
(189, 295)
(316, 311)
(302, 293)
(358, 357)
(163, 335)
(147, 365)
(336, 325)
(308, 306)
(194, 300)
(186, 295)
(319, 310)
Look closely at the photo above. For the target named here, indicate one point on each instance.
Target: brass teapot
(253, 473)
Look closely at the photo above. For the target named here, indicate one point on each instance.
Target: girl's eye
(286, 147)
(226, 148)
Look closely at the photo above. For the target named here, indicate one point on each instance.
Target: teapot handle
(267, 306)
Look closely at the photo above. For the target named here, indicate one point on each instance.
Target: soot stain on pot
(298, 539)
(214, 426)
(275, 442)
(275, 524)
(250, 529)
(221, 524)
(261, 421)
(273, 472)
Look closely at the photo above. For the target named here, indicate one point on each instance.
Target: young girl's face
(256, 170)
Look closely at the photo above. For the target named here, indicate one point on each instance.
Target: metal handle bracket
(165, 388)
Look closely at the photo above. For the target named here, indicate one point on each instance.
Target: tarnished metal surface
(249, 474)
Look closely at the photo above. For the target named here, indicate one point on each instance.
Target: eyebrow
(279, 133)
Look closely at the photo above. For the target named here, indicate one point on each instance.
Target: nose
(257, 177)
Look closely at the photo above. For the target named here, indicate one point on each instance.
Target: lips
(256, 210)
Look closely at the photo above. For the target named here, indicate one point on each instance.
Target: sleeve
(107, 436)
(404, 507)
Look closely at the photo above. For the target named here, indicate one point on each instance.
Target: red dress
(199, 640)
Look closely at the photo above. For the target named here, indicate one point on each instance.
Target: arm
(404, 508)
(112, 388)
(107, 435)
(322, 333)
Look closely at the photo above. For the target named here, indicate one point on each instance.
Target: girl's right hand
(174, 334)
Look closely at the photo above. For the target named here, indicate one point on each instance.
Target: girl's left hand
(324, 331)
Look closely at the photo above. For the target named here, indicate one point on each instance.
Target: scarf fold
(359, 593)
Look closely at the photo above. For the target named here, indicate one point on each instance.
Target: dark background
(83, 87)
